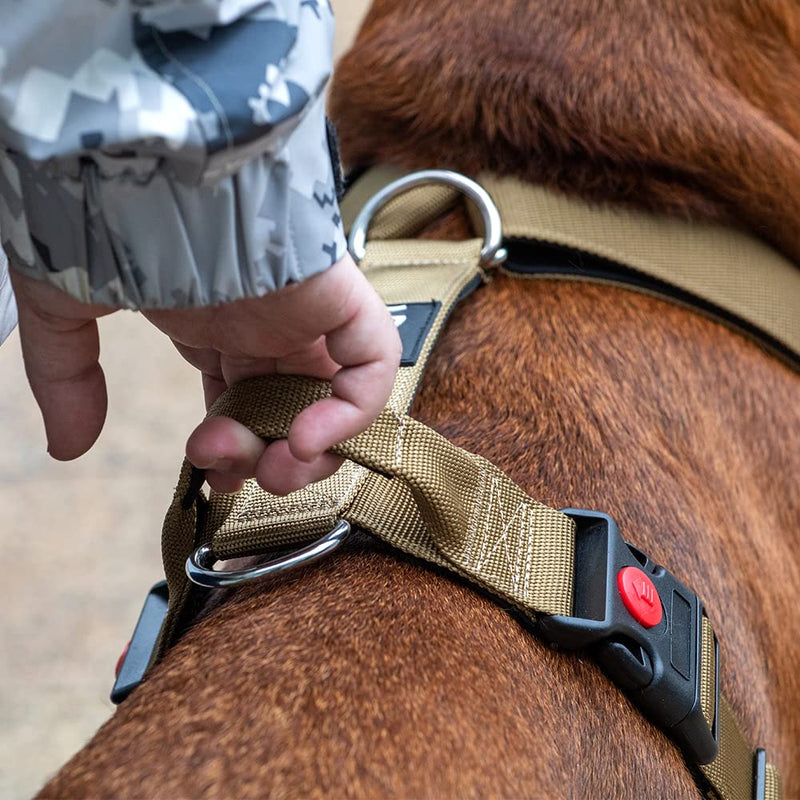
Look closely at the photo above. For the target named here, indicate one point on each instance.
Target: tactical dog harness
(569, 572)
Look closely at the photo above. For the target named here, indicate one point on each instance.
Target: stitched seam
(357, 477)
(401, 429)
(209, 92)
(265, 514)
(336, 501)
(472, 535)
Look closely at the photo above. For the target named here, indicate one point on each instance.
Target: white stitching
(476, 509)
(402, 420)
(512, 558)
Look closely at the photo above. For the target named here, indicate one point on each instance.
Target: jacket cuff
(123, 232)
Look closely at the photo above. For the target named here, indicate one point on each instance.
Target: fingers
(332, 326)
(230, 453)
(280, 472)
(367, 346)
(66, 379)
(227, 450)
(61, 361)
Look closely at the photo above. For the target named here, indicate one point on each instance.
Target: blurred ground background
(80, 541)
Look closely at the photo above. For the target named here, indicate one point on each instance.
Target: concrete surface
(80, 541)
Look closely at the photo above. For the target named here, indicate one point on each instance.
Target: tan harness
(412, 488)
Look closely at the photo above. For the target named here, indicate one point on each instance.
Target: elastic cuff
(116, 238)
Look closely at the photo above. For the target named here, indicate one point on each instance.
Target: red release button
(640, 596)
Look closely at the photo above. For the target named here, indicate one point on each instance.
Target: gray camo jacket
(166, 153)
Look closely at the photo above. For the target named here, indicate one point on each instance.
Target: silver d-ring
(200, 562)
(492, 253)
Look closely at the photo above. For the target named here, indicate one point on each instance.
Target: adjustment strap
(421, 282)
(734, 773)
(181, 533)
(454, 508)
(737, 773)
(706, 266)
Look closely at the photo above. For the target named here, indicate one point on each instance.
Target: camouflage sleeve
(166, 153)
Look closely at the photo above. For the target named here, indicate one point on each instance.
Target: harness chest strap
(438, 502)
(445, 505)
(709, 267)
(427, 278)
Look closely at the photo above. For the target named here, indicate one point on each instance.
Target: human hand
(332, 326)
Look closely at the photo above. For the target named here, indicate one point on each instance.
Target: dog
(369, 675)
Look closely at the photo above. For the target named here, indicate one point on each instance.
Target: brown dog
(372, 676)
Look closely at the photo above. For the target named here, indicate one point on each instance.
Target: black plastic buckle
(136, 659)
(657, 667)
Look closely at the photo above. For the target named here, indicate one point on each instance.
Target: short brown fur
(373, 676)
(680, 106)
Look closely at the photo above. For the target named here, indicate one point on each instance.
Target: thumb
(61, 362)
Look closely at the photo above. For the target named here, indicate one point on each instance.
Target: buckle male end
(658, 667)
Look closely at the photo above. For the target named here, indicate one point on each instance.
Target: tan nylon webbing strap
(729, 268)
(402, 272)
(708, 675)
(774, 789)
(179, 538)
(473, 516)
(731, 773)
(445, 505)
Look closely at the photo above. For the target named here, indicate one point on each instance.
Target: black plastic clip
(134, 663)
(658, 667)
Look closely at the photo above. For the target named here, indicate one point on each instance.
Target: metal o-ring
(492, 253)
(199, 565)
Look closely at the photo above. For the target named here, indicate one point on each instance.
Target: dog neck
(683, 108)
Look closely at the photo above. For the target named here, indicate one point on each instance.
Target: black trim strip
(534, 257)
